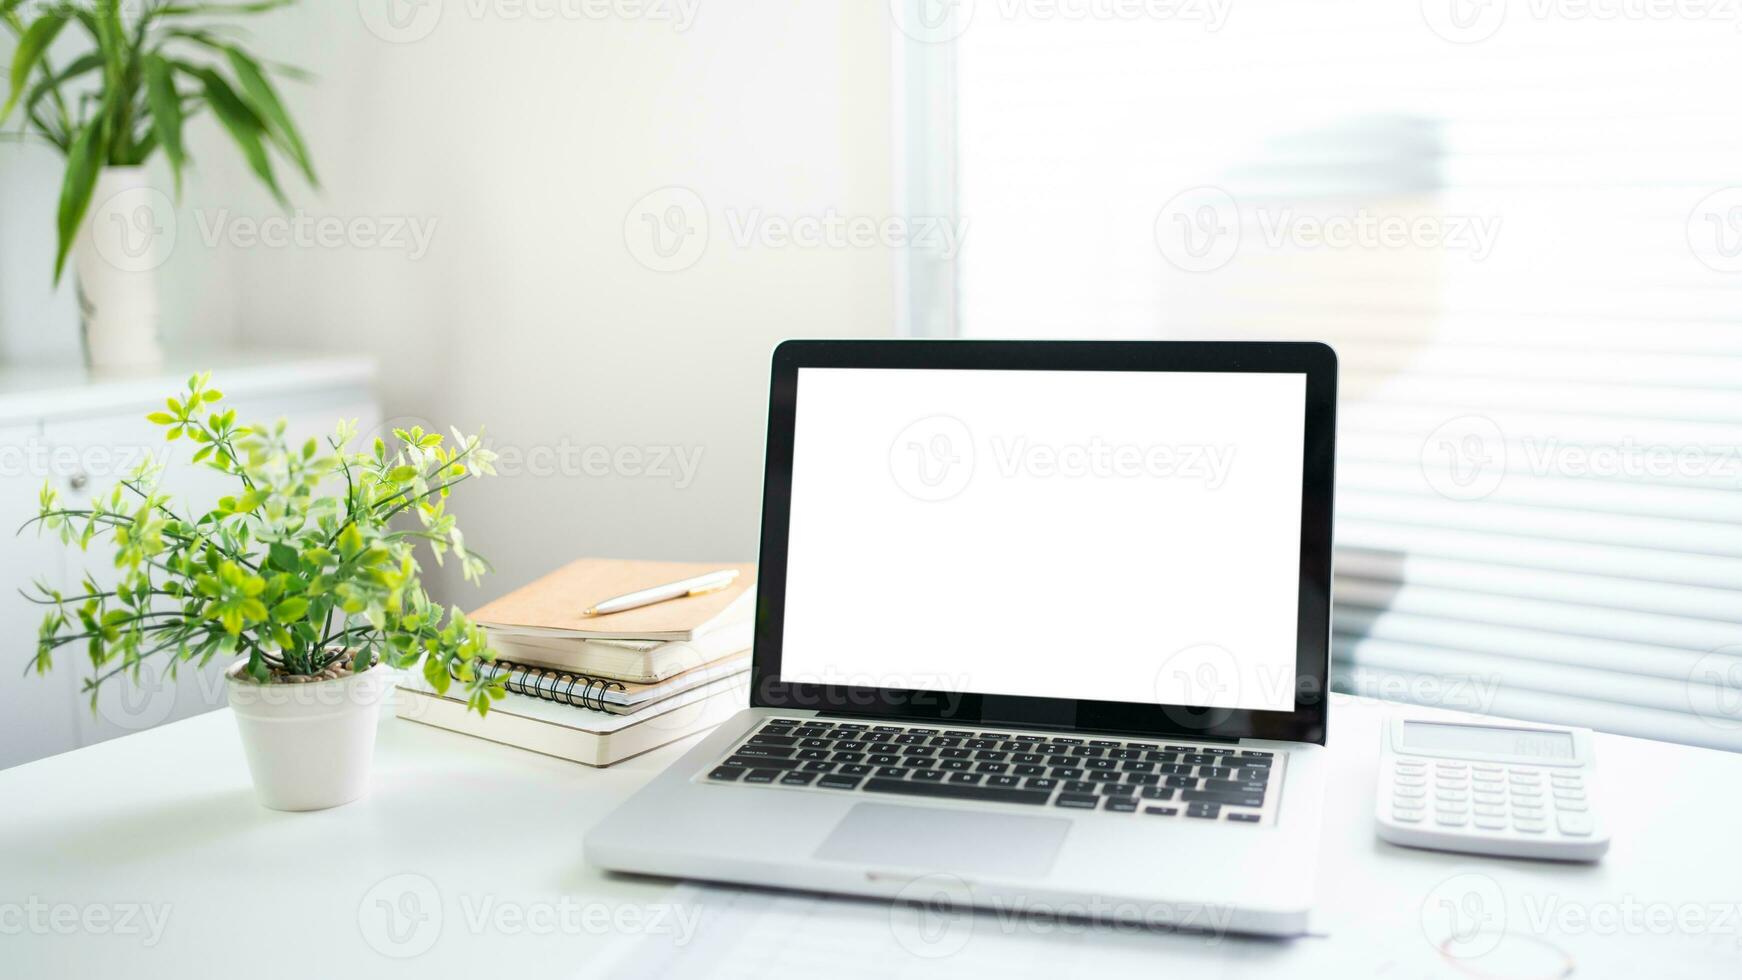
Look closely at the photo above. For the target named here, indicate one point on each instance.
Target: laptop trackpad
(947, 840)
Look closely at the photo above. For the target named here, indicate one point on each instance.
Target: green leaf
(283, 556)
(350, 541)
(160, 418)
(264, 101)
(436, 674)
(166, 116)
(290, 610)
(244, 127)
(400, 474)
(84, 160)
(31, 47)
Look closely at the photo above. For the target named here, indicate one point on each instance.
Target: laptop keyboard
(1157, 779)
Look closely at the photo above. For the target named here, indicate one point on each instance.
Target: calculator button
(1490, 795)
(1530, 826)
(1571, 806)
(1568, 794)
(1490, 822)
(1451, 764)
(1405, 803)
(1565, 779)
(1410, 780)
(1487, 768)
(1452, 796)
(1451, 807)
(1488, 778)
(1526, 793)
(1415, 765)
(1489, 810)
(1408, 816)
(1533, 778)
(1449, 819)
(1576, 824)
(1411, 791)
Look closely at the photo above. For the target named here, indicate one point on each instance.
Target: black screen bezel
(1306, 723)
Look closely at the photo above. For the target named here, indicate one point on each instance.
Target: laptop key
(772, 740)
(1230, 786)
(1077, 801)
(955, 765)
(798, 778)
(892, 772)
(818, 767)
(854, 769)
(1243, 817)
(1079, 786)
(1142, 778)
(1028, 770)
(929, 775)
(1229, 799)
(1182, 782)
(812, 754)
(773, 764)
(1121, 804)
(1157, 793)
(1118, 789)
(1161, 811)
(1040, 783)
(761, 775)
(1064, 773)
(725, 773)
(764, 751)
(847, 757)
(1002, 781)
(956, 791)
(884, 759)
(1204, 811)
(965, 777)
(1103, 776)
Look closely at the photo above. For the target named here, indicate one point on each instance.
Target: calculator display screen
(1518, 743)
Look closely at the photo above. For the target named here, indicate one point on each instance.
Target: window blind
(1524, 237)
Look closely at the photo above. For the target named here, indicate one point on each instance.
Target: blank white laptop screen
(1105, 535)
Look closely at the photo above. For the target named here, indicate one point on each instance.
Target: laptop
(1040, 626)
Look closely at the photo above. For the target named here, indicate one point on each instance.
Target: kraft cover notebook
(552, 605)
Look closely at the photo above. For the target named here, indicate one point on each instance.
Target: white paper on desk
(757, 934)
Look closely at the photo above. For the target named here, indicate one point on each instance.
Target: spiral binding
(555, 686)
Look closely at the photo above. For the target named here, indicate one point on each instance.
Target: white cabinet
(85, 435)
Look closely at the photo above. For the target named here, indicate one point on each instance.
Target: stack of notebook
(600, 689)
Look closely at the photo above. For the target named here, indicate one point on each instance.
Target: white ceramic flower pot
(309, 746)
(128, 233)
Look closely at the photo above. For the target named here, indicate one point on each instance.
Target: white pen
(700, 585)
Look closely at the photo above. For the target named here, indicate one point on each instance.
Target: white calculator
(1509, 790)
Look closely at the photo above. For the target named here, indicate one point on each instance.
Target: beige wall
(526, 141)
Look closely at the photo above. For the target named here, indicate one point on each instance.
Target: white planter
(309, 746)
(128, 233)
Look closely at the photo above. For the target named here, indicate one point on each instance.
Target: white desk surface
(148, 856)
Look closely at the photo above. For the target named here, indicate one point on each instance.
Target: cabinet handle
(78, 481)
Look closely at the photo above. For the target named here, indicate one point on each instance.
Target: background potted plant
(308, 575)
(152, 66)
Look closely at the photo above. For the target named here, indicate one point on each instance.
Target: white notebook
(592, 738)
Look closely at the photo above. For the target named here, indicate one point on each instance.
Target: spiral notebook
(606, 694)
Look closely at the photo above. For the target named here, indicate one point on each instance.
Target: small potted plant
(151, 65)
(308, 576)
